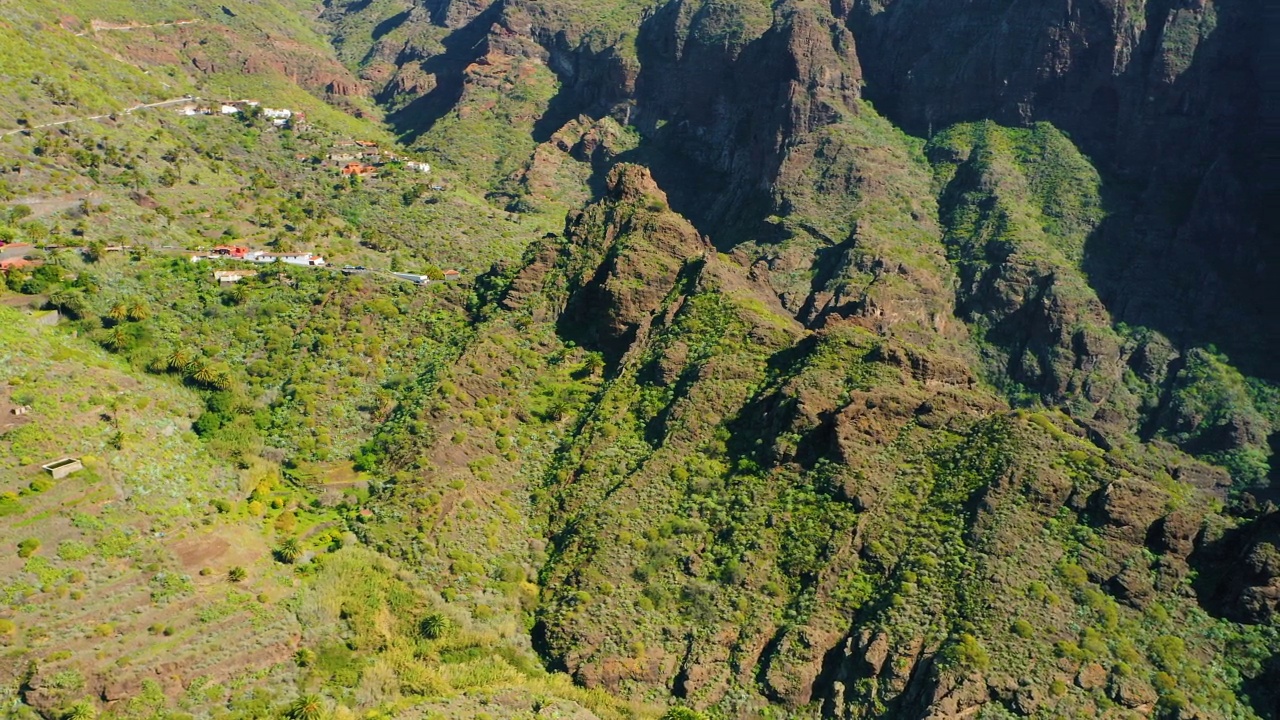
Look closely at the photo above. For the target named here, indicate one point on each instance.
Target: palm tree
(69, 301)
(237, 574)
(221, 379)
(306, 707)
(289, 551)
(118, 312)
(201, 371)
(179, 360)
(95, 251)
(138, 310)
(117, 339)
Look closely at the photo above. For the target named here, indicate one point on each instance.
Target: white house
(302, 259)
(419, 166)
(259, 256)
(413, 278)
(229, 110)
(277, 113)
(226, 277)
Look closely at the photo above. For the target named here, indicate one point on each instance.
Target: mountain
(895, 359)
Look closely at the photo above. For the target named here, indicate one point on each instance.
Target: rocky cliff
(933, 344)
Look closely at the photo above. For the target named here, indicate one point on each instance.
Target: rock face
(804, 481)
(646, 248)
(1165, 94)
(1243, 571)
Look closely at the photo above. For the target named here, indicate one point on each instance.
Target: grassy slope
(229, 180)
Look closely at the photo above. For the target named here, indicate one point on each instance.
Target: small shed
(62, 468)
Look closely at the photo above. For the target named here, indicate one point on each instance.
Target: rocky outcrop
(635, 250)
(1243, 571)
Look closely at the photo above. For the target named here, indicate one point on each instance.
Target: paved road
(8, 252)
(126, 111)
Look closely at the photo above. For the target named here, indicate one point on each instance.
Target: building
(366, 143)
(228, 109)
(413, 278)
(344, 157)
(452, 275)
(277, 113)
(17, 263)
(418, 166)
(226, 277)
(232, 251)
(356, 169)
(302, 259)
(259, 256)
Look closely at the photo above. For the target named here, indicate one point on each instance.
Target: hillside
(900, 359)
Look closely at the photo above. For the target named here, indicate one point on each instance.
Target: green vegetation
(884, 433)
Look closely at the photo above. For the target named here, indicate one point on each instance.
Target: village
(351, 158)
(300, 259)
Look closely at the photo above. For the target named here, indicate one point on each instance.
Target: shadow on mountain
(462, 48)
(1188, 147)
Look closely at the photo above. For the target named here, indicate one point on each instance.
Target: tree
(433, 626)
(290, 551)
(594, 363)
(138, 310)
(69, 301)
(95, 251)
(117, 339)
(118, 312)
(237, 574)
(306, 707)
(81, 710)
(179, 359)
(202, 371)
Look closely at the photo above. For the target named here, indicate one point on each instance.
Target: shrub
(28, 547)
(1073, 574)
(1168, 651)
(81, 710)
(1022, 628)
(7, 626)
(682, 713)
(71, 550)
(968, 653)
(237, 574)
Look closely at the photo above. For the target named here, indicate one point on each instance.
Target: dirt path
(99, 26)
(126, 111)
